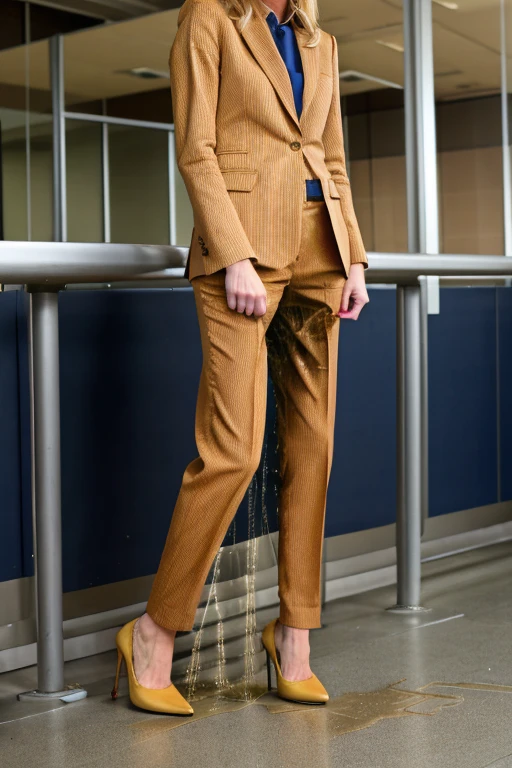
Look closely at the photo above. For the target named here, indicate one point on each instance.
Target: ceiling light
(145, 73)
(449, 6)
(393, 46)
(352, 76)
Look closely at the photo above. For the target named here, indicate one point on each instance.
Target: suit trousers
(297, 339)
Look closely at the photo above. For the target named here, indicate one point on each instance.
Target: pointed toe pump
(309, 691)
(167, 701)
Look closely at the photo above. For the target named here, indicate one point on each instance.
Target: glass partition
(117, 74)
(370, 45)
(467, 69)
(121, 70)
(84, 182)
(26, 143)
(139, 185)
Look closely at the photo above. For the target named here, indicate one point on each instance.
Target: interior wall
(470, 176)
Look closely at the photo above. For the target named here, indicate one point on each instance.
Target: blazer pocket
(333, 189)
(240, 180)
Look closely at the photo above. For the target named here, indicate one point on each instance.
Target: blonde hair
(306, 15)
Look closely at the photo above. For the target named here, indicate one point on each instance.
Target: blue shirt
(284, 38)
(286, 42)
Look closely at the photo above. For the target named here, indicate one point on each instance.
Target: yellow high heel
(309, 691)
(165, 700)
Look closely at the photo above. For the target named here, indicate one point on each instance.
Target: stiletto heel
(118, 671)
(269, 674)
(310, 691)
(166, 700)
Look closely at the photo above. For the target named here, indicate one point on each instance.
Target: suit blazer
(240, 146)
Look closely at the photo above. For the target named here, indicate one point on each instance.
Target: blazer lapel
(310, 66)
(259, 39)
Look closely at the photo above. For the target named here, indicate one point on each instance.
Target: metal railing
(47, 267)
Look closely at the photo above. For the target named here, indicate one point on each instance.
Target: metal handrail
(47, 267)
(54, 264)
(392, 268)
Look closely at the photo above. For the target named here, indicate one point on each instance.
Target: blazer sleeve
(194, 64)
(335, 162)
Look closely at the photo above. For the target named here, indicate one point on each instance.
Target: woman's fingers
(249, 304)
(245, 291)
(356, 302)
(345, 298)
(240, 303)
(260, 305)
(231, 297)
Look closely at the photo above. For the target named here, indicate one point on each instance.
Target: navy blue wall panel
(462, 401)
(130, 365)
(504, 298)
(11, 542)
(362, 491)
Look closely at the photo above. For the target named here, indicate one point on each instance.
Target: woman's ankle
(291, 634)
(150, 630)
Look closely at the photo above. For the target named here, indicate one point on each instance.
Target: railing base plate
(408, 609)
(68, 695)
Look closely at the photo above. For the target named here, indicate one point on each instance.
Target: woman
(276, 258)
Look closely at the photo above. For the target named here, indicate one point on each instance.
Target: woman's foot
(153, 648)
(292, 645)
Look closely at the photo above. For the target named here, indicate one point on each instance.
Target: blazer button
(295, 145)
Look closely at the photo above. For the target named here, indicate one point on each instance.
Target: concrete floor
(463, 646)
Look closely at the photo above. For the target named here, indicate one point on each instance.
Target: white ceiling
(466, 50)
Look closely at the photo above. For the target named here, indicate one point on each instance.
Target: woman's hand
(355, 295)
(244, 289)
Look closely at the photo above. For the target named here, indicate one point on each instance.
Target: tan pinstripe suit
(244, 157)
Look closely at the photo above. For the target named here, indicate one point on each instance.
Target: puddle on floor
(352, 711)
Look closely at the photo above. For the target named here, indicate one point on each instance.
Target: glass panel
(370, 39)
(41, 139)
(122, 70)
(26, 135)
(13, 161)
(139, 185)
(469, 136)
(84, 182)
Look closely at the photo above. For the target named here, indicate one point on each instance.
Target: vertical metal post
(59, 139)
(45, 417)
(45, 352)
(409, 471)
(412, 329)
(420, 128)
